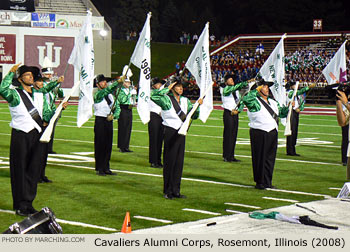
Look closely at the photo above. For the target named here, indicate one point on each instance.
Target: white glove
(133, 92)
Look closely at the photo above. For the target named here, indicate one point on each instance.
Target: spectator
(195, 38)
(212, 39)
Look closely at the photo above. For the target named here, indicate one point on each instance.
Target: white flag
(273, 70)
(141, 58)
(82, 57)
(335, 71)
(199, 65)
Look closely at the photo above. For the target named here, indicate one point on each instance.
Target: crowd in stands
(303, 65)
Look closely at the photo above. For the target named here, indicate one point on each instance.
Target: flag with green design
(83, 59)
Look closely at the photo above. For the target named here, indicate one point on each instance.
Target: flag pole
(109, 117)
(186, 125)
(46, 136)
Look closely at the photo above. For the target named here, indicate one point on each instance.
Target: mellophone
(42, 222)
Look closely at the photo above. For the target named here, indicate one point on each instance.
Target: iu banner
(57, 49)
(17, 5)
(141, 58)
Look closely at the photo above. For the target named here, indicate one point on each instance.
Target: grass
(163, 55)
(77, 194)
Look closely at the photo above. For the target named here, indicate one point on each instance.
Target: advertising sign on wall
(43, 20)
(7, 49)
(17, 5)
(76, 22)
(5, 18)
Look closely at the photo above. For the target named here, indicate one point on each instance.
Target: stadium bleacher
(72, 7)
(294, 44)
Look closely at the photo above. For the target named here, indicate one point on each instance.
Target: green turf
(77, 194)
(164, 57)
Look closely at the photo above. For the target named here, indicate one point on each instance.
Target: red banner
(57, 49)
(7, 49)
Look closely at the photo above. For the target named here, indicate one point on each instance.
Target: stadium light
(103, 33)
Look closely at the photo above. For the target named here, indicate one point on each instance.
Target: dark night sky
(247, 16)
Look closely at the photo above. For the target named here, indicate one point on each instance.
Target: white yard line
(74, 223)
(152, 219)
(334, 188)
(204, 153)
(200, 211)
(242, 205)
(81, 224)
(196, 180)
(278, 199)
(240, 128)
(7, 211)
(233, 211)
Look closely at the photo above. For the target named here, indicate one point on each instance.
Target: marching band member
(263, 113)
(297, 106)
(155, 129)
(174, 109)
(25, 148)
(343, 112)
(103, 129)
(126, 100)
(39, 84)
(230, 98)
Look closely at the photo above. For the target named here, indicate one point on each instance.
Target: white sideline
(152, 219)
(74, 223)
(200, 211)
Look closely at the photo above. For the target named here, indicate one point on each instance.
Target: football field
(86, 203)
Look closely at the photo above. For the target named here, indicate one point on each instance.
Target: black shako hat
(33, 69)
(228, 76)
(100, 78)
(156, 80)
(47, 70)
(290, 84)
(262, 82)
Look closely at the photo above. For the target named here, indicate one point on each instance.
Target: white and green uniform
(174, 143)
(263, 136)
(230, 95)
(169, 115)
(126, 101)
(230, 98)
(299, 104)
(103, 129)
(26, 152)
(101, 107)
(294, 121)
(21, 119)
